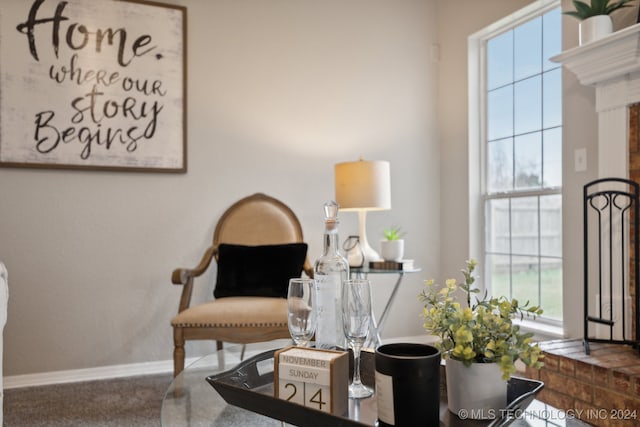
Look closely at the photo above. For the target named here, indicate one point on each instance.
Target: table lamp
(363, 186)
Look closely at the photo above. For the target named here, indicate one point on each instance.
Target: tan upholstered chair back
(258, 220)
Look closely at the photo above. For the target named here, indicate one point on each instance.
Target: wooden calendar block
(315, 378)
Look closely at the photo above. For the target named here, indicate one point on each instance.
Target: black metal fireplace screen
(611, 269)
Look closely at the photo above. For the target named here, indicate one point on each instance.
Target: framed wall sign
(93, 85)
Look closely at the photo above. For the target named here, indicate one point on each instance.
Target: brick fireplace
(603, 388)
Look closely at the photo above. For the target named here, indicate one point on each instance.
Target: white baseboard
(91, 374)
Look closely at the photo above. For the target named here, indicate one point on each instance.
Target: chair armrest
(185, 276)
(182, 276)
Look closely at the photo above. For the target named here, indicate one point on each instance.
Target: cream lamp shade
(364, 185)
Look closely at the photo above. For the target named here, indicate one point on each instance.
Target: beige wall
(279, 91)
(469, 17)
(580, 131)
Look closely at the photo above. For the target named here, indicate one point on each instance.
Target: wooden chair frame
(186, 276)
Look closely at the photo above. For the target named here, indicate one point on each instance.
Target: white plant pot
(477, 391)
(595, 28)
(392, 250)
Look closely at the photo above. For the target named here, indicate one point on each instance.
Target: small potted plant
(392, 246)
(479, 342)
(595, 19)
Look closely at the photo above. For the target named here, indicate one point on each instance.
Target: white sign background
(92, 83)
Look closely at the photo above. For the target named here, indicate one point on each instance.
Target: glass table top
(191, 401)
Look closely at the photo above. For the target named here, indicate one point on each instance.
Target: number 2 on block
(292, 391)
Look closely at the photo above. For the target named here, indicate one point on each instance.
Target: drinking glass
(356, 317)
(301, 314)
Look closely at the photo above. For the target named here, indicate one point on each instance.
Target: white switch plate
(580, 159)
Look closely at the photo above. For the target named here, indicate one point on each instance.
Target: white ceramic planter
(595, 28)
(392, 250)
(477, 391)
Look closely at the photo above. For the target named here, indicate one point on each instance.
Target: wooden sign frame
(97, 85)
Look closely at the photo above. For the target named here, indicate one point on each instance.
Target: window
(520, 103)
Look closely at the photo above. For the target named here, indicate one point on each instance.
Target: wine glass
(356, 317)
(301, 315)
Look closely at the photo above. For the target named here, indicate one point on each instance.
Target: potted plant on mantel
(392, 246)
(479, 342)
(595, 21)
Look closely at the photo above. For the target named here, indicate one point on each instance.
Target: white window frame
(477, 45)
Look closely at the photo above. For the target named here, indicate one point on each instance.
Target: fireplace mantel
(612, 66)
(606, 60)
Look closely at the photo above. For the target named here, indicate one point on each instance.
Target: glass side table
(375, 338)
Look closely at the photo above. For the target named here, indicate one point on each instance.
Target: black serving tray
(250, 386)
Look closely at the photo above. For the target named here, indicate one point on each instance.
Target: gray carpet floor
(132, 401)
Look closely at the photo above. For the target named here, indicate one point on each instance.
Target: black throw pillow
(258, 270)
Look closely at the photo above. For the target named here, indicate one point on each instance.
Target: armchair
(257, 244)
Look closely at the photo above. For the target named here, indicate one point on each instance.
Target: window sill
(542, 331)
